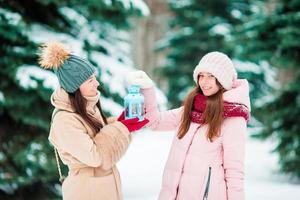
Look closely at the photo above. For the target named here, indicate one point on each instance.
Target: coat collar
(239, 93)
(60, 100)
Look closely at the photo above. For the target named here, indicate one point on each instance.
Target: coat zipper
(205, 197)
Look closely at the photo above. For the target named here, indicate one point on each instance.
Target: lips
(206, 88)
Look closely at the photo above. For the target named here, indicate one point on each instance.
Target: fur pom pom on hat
(220, 66)
(70, 69)
(53, 55)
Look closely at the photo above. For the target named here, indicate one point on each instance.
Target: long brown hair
(79, 103)
(212, 116)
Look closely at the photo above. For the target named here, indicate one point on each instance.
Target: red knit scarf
(230, 109)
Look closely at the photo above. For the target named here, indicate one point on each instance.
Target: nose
(97, 83)
(203, 80)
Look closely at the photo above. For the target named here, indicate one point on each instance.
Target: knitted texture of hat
(220, 66)
(70, 69)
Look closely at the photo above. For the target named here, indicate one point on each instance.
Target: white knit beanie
(220, 66)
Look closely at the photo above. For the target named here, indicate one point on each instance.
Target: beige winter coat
(90, 157)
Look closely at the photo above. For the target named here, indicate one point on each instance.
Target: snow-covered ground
(142, 167)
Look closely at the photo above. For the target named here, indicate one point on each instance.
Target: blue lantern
(133, 103)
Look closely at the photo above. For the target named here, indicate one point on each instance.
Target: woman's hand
(139, 78)
(132, 124)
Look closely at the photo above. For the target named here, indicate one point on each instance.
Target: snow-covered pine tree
(271, 34)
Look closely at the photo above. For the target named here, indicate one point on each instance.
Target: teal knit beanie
(70, 69)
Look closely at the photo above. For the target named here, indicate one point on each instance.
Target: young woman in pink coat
(206, 160)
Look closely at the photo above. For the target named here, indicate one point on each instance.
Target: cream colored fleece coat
(90, 157)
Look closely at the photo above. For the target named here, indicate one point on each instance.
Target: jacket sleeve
(112, 142)
(160, 121)
(70, 135)
(234, 138)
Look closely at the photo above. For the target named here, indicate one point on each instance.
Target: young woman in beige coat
(86, 141)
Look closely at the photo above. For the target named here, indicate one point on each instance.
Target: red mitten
(134, 124)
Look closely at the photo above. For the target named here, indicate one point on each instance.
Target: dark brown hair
(79, 103)
(212, 116)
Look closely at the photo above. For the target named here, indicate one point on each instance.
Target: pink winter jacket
(196, 168)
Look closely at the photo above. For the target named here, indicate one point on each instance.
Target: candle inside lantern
(133, 103)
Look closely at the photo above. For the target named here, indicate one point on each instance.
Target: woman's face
(208, 83)
(89, 87)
